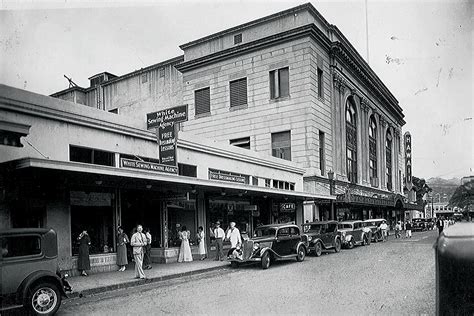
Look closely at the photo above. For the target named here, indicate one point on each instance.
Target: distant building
(466, 179)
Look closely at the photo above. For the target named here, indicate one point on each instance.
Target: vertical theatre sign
(165, 122)
(408, 165)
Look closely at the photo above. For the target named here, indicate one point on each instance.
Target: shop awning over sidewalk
(144, 178)
(396, 201)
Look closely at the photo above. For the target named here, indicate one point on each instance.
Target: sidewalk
(103, 282)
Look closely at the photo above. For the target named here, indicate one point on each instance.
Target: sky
(421, 50)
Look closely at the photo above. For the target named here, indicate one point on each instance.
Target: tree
(463, 197)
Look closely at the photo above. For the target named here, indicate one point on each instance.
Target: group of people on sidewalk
(232, 234)
(400, 226)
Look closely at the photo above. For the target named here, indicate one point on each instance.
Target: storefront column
(299, 214)
(201, 211)
(164, 223)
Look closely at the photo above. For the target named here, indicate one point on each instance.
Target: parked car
(419, 224)
(374, 226)
(430, 223)
(320, 236)
(30, 271)
(270, 243)
(353, 233)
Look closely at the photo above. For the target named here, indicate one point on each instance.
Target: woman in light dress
(185, 254)
(201, 242)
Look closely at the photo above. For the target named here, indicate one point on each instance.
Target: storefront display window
(226, 211)
(181, 213)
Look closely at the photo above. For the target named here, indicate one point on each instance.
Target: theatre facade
(71, 167)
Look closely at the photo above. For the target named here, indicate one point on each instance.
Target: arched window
(351, 142)
(373, 151)
(388, 159)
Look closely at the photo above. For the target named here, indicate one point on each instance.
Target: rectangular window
(202, 101)
(92, 156)
(144, 77)
(241, 142)
(19, 246)
(162, 72)
(322, 154)
(320, 83)
(267, 183)
(187, 170)
(254, 180)
(238, 39)
(281, 145)
(238, 92)
(279, 83)
(351, 165)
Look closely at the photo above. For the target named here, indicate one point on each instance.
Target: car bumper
(256, 259)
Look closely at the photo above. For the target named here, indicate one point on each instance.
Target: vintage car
(353, 233)
(270, 243)
(374, 225)
(321, 236)
(30, 271)
(419, 224)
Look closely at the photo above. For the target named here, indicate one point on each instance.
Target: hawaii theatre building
(285, 122)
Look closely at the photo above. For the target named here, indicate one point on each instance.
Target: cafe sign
(287, 207)
(165, 122)
(408, 165)
(145, 165)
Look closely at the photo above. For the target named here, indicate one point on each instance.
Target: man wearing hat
(220, 235)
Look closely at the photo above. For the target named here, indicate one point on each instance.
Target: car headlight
(343, 234)
(256, 246)
(310, 238)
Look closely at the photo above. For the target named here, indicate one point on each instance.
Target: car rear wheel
(266, 260)
(301, 254)
(44, 299)
(337, 246)
(318, 249)
(351, 244)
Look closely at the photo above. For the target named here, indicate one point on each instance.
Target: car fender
(301, 243)
(349, 237)
(22, 291)
(314, 241)
(265, 249)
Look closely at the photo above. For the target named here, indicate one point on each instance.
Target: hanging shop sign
(165, 122)
(226, 177)
(145, 165)
(287, 207)
(408, 165)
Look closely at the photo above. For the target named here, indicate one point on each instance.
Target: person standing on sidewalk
(233, 235)
(83, 261)
(147, 250)
(122, 241)
(384, 229)
(138, 241)
(220, 236)
(185, 254)
(201, 242)
(397, 230)
(440, 224)
(408, 226)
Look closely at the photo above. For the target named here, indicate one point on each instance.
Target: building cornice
(310, 30)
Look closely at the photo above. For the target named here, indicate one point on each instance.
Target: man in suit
(219, 234)
(138, 241)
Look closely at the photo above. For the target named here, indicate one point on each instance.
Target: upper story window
(243, 142)
(281, 145)
(202, 101)
(187, 170)
(351, 142)
(238, 92)
(144, 78)
(322, 153)
(279, 83)
(162, 72)
(320, 83)
(238, 39)
(388, 158)
(92, 156)
(373, 150)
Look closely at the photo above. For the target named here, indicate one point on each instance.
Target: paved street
(392, 277)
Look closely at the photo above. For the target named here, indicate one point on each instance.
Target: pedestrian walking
(122, 241)
(408, 227)
(440, 225)
(384, 229)
(201, 242)
(138, 241)
(233, 235)
(398, 228)
(219, 234)
(147, 250)
(185, 254)
(83, 261)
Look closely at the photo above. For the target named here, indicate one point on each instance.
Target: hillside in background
(445, 187)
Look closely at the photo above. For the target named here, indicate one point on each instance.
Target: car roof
(321, 222)
(276, 226)
(350, 222)
(18, 231)
(375, 220)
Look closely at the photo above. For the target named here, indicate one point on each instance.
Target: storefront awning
(150, 176)
(391, 200)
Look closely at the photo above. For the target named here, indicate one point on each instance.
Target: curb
(135, 282)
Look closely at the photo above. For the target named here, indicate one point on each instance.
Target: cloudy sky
(422, 50)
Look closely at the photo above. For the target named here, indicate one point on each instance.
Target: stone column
(382, 164)
(342, 128)
(336, 137)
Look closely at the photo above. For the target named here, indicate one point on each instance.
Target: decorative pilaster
(364, 105)
(382, 163)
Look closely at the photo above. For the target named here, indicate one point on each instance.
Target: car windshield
(264, 232)
(345, 226)
(370, 224)
(312, 228)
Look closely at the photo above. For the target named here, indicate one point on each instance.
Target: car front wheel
(44, 299)
(337, 246)
(266, 260)
(301, 254)
(318, 249)
(351, 244)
